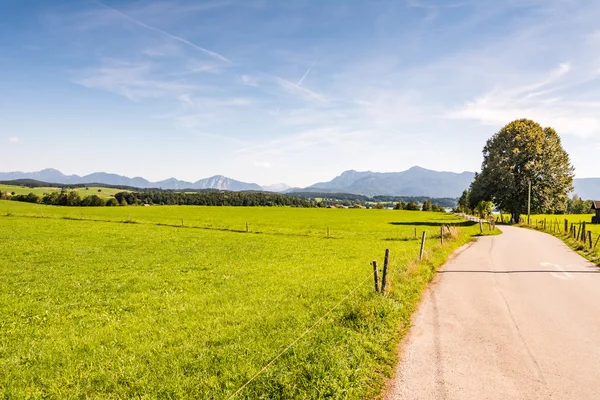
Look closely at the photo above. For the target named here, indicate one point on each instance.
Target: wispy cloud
(165, 33)
(132, 80)
(543, 101)
(13, 139)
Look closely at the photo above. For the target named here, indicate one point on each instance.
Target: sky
(290, 91)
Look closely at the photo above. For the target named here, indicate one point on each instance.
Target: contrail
(306, 73)
(179, 39)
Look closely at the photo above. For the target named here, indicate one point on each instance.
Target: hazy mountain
(223, 183)
(278, 187)
(587, 188)
(55, 176)
(415, 181)
(346, 179)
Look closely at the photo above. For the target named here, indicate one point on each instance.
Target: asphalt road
(514, 316)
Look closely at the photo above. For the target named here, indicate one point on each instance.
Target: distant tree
(379, 206)
(400, 205)
(99, 190)
(484, 209)
(93, 201)
(437, 208)
(412, 206)
(463, 205)
(426, 205)
(576, 205)
(112, 202)
(123, 202)
(523, 152)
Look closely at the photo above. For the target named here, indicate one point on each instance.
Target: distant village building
(596, 206)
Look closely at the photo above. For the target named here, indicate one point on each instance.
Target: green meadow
(183, 302)
(572, 218)
(40, 191)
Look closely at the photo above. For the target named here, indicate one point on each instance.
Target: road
(514, 316)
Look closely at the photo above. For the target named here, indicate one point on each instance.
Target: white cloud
(262, 164)
(14, 139)
(542, 101)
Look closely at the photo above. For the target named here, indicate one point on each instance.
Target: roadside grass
(40, 191)
(98, 308)
(592, 254)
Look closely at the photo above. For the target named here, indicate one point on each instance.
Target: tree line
(212, 198)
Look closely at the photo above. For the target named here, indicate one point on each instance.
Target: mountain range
(415, 181)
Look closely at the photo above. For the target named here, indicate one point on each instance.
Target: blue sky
(290, 91)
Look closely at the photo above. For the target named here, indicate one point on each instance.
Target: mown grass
(98, 308)
(40, 191)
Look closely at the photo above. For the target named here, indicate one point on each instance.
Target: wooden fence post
(590, 238)
(442, 235)
(583, 235)
(385, 270)
(415, 233)
(247, 227)
(422, 245)
(566, 225)
(376, 276)
(597, 240)
(480, 226)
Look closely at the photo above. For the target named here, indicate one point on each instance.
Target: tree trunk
(515, 217)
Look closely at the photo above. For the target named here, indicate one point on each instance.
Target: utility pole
(529, 205)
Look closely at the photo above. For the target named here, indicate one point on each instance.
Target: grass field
(572, 218)
(40, 191)
(94, 307)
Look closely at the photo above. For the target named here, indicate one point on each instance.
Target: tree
(520, 153)
(576, 205)
(484, 209)
(426, 205)
(463, 202)
(412, 206)
(437, 208)
(400, 205)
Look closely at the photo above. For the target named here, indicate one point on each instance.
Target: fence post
(597, 240)
(182, 223)
(415, 233)
(422, 245)
(566, 225)
(247, 227)
(480, 226)
(385, 270)
(583, 236)
(442, 235)
(590, 238)
(376, 276)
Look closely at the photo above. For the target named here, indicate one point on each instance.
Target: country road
(514, 316)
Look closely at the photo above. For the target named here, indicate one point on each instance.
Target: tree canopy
(523, 152)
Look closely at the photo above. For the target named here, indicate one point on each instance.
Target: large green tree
(520, 153)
